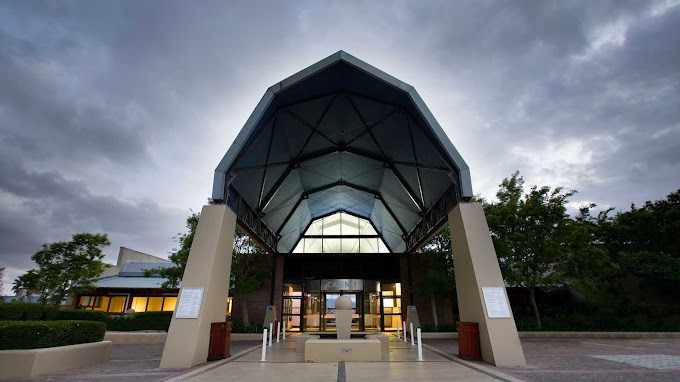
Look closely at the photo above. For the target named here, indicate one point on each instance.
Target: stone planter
(31, 362)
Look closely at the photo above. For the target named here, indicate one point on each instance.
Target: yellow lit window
(139, 304)
(102, 304)
(169, 304)
(155, 304)
(117, 304)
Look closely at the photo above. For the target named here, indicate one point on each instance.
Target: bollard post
(411, 329)
(420, 347)
(403, 327)
(264, 346)
(278, 331)
(398, 337)
(271, 329)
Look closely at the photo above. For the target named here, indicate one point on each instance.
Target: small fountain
(344, 346)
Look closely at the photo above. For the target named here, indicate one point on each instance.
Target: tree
(65, 268)
(249, 267)
(179, 257)
(645, 241)
(440, 278)
(248, 263)
(538, 245)
(2, 277)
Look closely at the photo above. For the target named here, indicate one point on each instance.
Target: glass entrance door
(328, 311)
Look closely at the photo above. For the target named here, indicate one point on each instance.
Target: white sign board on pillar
(189, 303)
(495, 302)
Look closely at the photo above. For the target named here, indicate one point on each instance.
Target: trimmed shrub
(82, 315)
(239, 327)
(140, 321)
(23, 311)
(47, 334)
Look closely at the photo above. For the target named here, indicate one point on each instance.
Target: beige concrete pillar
(208, 267)
(476, 266)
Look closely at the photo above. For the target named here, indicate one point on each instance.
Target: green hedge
(38, 312)
(22, 311)
(140, 321)
(47, 334)
(239, 327)
(580, 323)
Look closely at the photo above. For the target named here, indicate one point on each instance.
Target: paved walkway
(566, 359)
(592, 359)
(285, 364)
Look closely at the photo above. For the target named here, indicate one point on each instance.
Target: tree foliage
(538, 245)
(439, 279)
(65, 268)
(179, 256)
(645, 241)
(249, 266)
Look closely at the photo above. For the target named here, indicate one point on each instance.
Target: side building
(123, 287)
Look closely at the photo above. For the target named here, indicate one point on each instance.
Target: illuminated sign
(342, 284)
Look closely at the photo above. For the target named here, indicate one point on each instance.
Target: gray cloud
(113, 115)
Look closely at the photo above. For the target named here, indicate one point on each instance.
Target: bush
(440, 328)
(23, 311)
(239, 327)
(82, 315)
(47, 334)
(580, 323)
(140, 321)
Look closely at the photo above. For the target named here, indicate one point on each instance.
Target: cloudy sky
(113, 115)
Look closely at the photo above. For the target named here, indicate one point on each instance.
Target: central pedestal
(358, 350)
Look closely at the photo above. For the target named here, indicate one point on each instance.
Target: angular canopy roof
(341, 135)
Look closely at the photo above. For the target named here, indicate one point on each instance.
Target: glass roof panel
(358, 236)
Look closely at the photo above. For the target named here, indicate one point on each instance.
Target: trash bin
(468, 341)
(220, 341)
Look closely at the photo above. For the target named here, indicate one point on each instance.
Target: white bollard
(403, 327)
(411, 329)
(420, 347)
(284, 332)
(264, 346)
(278, 332)
(398, 337)
(271, 329)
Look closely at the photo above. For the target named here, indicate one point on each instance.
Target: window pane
(86, 301)
(368, 245)
(366, 228)
(169, 303)
(332, 246)
(300, 247)
(382, 248)
(291, 305)
(117, 304)
(391, 289)
(139, 304)
(391, 321)
(331, 225)
(350, 224)
(292, 290)
(101, 303)
(155, 304)
(391, 305)
(350, 245)
(313, 246)
(314, 228)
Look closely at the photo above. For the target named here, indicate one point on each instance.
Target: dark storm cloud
(41, 207)
(113, 114)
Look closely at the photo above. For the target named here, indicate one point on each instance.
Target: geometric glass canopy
(341, 136)
(341, 232)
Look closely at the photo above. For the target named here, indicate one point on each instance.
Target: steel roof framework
(341, 136)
